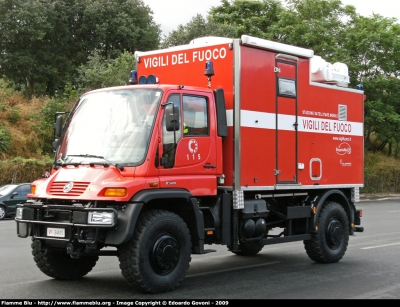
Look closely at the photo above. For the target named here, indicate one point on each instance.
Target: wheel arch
(337, 196)
(179, 201)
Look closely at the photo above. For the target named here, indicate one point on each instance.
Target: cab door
(188, 154)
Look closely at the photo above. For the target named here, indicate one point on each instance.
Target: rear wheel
(59, 265)
(329, 243)
(157, 257)
(249, 248)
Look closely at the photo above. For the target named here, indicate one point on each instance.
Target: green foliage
(249, 17)
(44, 42)
(20, 169)
(5, 138)
(381, 174)
(382, 113)
(14, 114)
(371, 45)
(42, 123)
(6, 90)
(99, 72)
(197, 27)
(314, 24)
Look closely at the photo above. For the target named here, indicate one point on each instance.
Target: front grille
(77, 189)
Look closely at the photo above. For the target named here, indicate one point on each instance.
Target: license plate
(56, 232)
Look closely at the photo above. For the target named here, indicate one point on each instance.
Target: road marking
(379, 294)
(380, 246)
(232, 269)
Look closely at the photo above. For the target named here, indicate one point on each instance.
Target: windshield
(113, 125)
(4, 190)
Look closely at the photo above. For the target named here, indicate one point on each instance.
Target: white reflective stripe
(286, 122)
(229, 118)
(257, 119)
(265, 120)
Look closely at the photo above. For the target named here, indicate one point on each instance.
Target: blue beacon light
(209, 72)
(133, 77)
(209, 69)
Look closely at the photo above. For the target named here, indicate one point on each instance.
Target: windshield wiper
(121, 168)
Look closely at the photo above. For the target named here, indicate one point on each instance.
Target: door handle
(209, 166)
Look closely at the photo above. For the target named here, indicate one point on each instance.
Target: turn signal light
(33, 189)
(115, 192)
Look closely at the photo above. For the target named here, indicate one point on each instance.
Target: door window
(195, 119)
(171, 138)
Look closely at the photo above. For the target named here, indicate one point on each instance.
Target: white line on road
(380, 246)
(233, 269)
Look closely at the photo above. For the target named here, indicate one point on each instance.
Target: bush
(14, 114)
(100, 72)
(18, 169)
(381, 174)
(5, 138)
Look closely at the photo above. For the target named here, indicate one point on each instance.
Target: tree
(251, 17)
(101, 72)
(314, 24)
(197, 27)
(370, 45)
(43, 42)
(25, 54)
(112, 26)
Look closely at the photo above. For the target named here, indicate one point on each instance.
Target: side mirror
(55, 144)
(58, 126)
(171, 118)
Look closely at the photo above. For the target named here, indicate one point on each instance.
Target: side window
(26, 190)
(23, 190)
(169, 146)
(195, 116)
(286, 87)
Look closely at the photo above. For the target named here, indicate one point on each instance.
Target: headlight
(18, 213)
(103, 218)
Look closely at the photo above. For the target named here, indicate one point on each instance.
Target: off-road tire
(59, 265)
(249, 248)
(329, 243)
(158, 256)
(2, 212)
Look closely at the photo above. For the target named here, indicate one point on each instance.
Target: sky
(169, 14)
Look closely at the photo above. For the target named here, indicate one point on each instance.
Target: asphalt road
(369, 269)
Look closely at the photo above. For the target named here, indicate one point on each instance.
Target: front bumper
(64, 222)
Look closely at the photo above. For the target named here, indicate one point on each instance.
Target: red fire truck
(238, 142)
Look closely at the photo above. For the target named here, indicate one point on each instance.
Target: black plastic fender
(126, 224)
(127, 218)
(337, 196)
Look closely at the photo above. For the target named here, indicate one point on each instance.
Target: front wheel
(157, 257)
(59, 265)
(329, 243)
